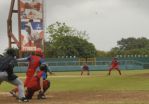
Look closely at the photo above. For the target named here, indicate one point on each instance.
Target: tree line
(65, 41)
(129, 46)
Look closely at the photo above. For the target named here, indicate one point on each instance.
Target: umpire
(7, 63)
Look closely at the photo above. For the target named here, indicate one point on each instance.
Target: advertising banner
(31, 24)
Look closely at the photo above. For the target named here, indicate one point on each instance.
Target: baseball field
(132, 87)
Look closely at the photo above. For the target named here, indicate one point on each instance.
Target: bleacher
(100, 63)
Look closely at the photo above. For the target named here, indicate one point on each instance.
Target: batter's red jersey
(34, 63)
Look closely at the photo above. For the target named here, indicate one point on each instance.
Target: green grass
(104, 82)
(130, 88)
(97, 81)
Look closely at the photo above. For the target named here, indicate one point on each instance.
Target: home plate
(4, 93)
(99, 95)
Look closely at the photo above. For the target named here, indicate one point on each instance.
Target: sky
(106, 21)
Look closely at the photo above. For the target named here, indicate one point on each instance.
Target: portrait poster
(31, 24)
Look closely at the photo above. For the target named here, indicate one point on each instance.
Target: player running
(114, 65)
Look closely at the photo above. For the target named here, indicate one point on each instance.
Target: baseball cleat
(13, 93)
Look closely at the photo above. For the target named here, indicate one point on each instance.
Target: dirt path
(99, 97)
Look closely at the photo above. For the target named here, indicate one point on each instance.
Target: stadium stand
(100, 63)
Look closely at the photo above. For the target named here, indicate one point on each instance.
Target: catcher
(38, 83)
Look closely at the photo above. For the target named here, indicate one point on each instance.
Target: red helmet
(39, 51)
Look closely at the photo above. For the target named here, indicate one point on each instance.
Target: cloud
(106, 21)
(3, 24)
(140, 5)
(4, 11)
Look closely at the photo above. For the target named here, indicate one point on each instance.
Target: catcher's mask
(43, 67)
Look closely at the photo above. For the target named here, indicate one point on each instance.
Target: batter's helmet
(39, 52)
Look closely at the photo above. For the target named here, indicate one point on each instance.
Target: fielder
(85, 67)
(114, 65)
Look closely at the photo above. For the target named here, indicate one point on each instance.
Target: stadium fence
(95, 64)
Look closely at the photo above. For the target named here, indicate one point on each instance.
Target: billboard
(31, 24)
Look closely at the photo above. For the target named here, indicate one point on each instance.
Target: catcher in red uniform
(114, 65)
(38, 83)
